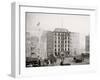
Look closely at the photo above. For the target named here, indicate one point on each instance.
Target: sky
(36, 23)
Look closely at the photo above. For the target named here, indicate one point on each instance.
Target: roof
(60, 30)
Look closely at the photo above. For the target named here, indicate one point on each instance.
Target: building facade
(50, 42)
(74, 43)
(28, 44)
(61, 41)
(58, 42)
(31, 45)
(87, 43)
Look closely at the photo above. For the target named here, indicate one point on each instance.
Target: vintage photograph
(56, 39)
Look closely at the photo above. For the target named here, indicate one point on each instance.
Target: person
(61, 63)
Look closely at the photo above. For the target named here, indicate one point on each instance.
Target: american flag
(38, 24)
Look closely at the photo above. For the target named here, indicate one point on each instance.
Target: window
(68, 49)
(59, 49)
(58, 45)
(59, 37)
(55, 53)
(58, 41)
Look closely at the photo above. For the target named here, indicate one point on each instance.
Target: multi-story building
(87, 43)
(50, 42)
(28, 44)
(61, 41)
(31, 45)
(34, 45)
(43, 45)
(74, 43)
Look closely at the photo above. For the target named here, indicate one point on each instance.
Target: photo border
(16, 54)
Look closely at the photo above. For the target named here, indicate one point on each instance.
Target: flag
(38, 23)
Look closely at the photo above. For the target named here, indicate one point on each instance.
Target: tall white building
(60, 41)
(87, 43)
(28, 44)
(74, 43)
(50, 43)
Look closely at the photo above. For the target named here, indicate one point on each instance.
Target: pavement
(69, 60)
